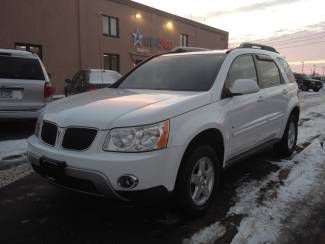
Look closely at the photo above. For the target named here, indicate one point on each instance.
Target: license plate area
(10, 93)
(5, 93)
(53, 169)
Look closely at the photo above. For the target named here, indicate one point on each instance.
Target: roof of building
(169, 15)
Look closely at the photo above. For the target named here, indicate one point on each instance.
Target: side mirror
(244, 86)
(68, 81)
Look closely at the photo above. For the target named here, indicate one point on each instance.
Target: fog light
(128, 181)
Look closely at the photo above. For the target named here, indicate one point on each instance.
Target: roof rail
(258, 46)
(187, 49)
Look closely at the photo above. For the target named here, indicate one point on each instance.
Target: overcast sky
(295, 27)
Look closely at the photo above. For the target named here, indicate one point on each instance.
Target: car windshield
(20, 68)
(194, 72)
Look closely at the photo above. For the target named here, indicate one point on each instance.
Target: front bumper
(97, 172)
(19, 114)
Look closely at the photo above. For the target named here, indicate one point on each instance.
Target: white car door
(275, 93)
(245, 113)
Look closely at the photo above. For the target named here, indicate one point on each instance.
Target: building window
(36, 49)
(183, 40)
(112, 61)
(110, 26)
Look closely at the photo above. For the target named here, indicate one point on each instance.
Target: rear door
(22, 82)
(275, 94)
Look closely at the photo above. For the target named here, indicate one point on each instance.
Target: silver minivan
(25, 87)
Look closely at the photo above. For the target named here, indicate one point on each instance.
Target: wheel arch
(212, 137)
(296, 112)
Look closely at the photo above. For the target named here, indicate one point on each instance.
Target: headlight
(38, 125)
(138, 139)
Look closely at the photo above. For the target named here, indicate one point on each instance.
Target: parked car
(25, 87)
(91, 79)
(306, 83)
(170, 126)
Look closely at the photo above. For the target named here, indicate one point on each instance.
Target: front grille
(78, 138)
(49, 131)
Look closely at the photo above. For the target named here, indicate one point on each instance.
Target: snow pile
(11, 175)
(312, 123)
(207, 235)
(12, 153)
(13, 147)
(264, 221)
(266, 210)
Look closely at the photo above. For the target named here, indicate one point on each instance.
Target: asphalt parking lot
(40, 212)
(32, 211)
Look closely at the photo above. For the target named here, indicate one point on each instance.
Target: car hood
(108, 108)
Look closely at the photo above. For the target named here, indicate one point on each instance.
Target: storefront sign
(150, 42)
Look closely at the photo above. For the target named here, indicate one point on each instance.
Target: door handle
(285, 92)
(260, 99)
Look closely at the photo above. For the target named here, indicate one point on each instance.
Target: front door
(245, 116)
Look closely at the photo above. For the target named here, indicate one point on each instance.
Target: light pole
(302, 68)
(314, 71)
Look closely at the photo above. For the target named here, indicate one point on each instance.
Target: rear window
(286, 68)
(269, 73)
(20, 68)
(195, 72)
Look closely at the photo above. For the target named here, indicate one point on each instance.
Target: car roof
(245, 47)
(100, 70)
(17, 53)
(235, 51)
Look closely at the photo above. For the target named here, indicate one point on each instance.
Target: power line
(302, 44)
(296, 42)
(300, 39)
(292, 38)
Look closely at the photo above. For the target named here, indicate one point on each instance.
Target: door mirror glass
(243, 86)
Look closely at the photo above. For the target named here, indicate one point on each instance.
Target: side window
(78, 80)
(269, 73)
(242, 68)
(286, 68)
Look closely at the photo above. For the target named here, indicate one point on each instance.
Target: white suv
(170, 126)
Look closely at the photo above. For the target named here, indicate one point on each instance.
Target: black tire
(183, 183)
(66, 92)
(316, 89)
(305, 88)
(282, 147)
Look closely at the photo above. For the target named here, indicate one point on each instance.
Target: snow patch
(12, 153)
(263, 221)
(11, 175)
(13, 147)
(207, 235)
